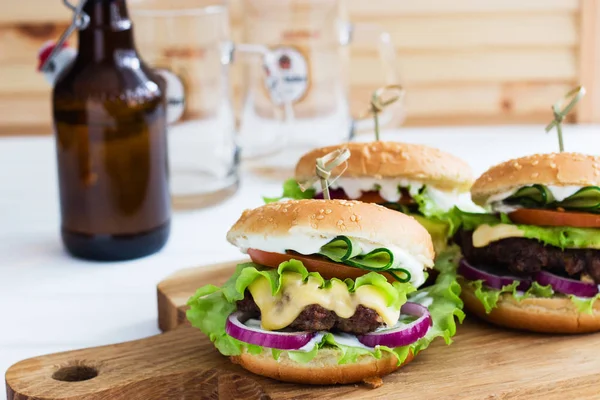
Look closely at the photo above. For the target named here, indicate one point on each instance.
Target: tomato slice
(528, 216)
(314, 263)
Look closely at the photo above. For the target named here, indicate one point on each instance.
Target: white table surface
(50, 302)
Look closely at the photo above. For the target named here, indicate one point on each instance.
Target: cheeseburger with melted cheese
(533, 262)
(330, 294)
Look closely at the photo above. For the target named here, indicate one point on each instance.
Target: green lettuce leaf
(536, 290)
(584, 305)
(564, 237)
(343, 249)
(489, 297)
(211, 305)
(469, 221)
(444, 297)
(291, 190)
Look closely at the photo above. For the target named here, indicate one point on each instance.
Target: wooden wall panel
(486, 32)
(472, 66)
(462, 61)
(428, 7)
(589, 60)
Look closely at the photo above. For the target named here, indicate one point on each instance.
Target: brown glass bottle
(109, 119)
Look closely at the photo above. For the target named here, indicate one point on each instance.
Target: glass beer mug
(188, 43)
(308, 106)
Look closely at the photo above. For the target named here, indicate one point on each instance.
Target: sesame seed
(535, 162)
(535, 175)
(353, 218)
(553, 165)
(320, 217)
(328, 211)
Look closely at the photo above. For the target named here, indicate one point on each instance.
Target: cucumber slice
(342, 249)
(531, 196)
(585, 199)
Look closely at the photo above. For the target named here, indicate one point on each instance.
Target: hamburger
(331, 295)
(533, 261)
(420, 181)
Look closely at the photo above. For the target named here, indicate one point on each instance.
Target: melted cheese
(486, 234)
(281, 310)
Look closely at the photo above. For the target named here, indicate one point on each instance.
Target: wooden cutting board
(483, 363)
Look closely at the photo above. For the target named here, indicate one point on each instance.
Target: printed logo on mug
(293, 82)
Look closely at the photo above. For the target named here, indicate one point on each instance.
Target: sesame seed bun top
(415, 162)
(558, 169)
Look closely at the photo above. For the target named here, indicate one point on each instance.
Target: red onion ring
(404, 335)
(272, 339)
(491, 279)
(566, 285)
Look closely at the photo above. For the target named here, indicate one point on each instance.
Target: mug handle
(231, 51)
(175, 94)
(351, 33)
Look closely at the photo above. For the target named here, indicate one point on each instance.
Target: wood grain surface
(483, 363)
(459, 60)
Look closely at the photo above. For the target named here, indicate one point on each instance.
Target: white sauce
(304, 243)
(447, 200)
(558, 192)
(253, 323)
(345, 339)
(389, 189)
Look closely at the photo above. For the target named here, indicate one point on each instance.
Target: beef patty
(529, 256)
(316, 318)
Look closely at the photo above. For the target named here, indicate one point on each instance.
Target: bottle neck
(109, 30)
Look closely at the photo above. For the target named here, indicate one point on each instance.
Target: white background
(50, 302)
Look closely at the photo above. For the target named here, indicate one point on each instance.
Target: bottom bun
(322, 370)
(549, 315)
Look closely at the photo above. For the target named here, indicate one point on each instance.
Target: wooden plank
(533, 65)
(20, 43)
(589, 61)
(21, 110)
(442, 32)
(504, 100)
(22, 77)
(467, 119)
(33, 11)
(395, 7)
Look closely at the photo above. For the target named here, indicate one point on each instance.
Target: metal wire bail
(80, 21)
